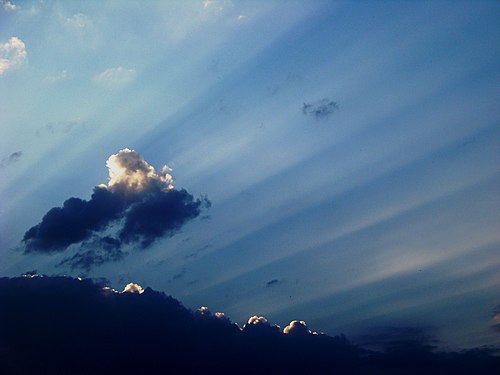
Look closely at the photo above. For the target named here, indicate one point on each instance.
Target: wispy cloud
(9, 6)
(12, 158)
(61, 127)
(12, 54)
(77, 22)
(320, 109)
(52, 79)
(115, 77)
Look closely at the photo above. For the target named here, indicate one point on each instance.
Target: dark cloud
(320, 109)
(298, 328)
(61, 325)
(158, 215)
(94, 253)
(391, 338)
(12, 158)
(137, 207)
(272, 283)
(75, 221)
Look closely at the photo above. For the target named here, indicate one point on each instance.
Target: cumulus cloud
(137, 206)
(115, 77)
(12, 158)
(320, 109)
(260, 326)
(61, 325)
(12, 54)
(297, 327)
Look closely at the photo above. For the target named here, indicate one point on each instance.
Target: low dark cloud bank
(60, 325)
(320, 109)
(138, 206)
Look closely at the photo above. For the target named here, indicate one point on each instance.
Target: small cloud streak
(12, 54)
(320, 109)
(272, 283)
(115, 77)
(11, 159)
(56, 78)
(61, 127)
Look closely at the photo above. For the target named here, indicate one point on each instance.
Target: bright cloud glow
(133, 288)
(12, 54)
(257, 320)
(128, 171)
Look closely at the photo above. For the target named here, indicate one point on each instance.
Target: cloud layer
(62, 325)
(138, 206)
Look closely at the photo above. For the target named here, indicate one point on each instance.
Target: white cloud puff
(133, 288)
(115, 77)
(257, 320)
(12, 54)
(129, 173)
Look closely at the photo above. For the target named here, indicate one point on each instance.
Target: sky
(332, 162)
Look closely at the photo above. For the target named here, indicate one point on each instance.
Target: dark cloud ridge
(61, 325)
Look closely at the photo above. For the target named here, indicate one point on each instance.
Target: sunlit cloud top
(128, 171)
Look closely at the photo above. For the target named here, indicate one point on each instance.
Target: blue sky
(382, 212)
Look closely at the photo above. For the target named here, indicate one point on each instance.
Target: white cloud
(9, 6)
(254, 320)
(12, 53)
(115, 77)
(216, 5)
(133, 288)
(56, 78)
(77, 22)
